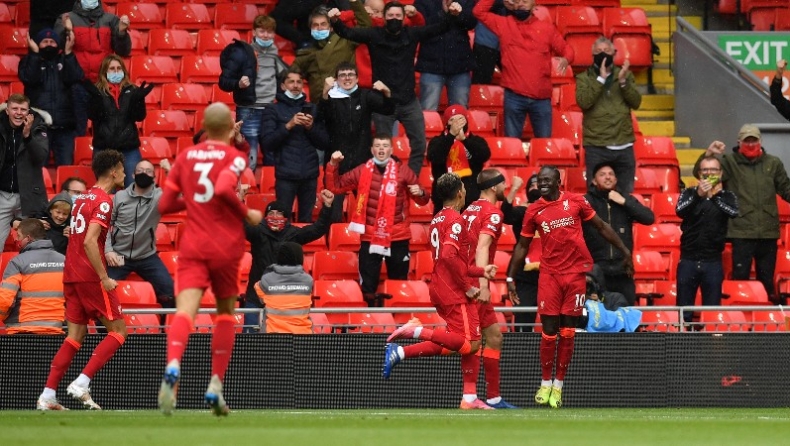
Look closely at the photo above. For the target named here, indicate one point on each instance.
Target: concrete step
(656, 10)
(687, 157)
(667, 52)
(663, 26)
(655, 115)
(681, 142)
(660, 76)
(638, 3)
(657, 102)
(657, 128)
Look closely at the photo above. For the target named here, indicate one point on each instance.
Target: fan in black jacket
(266, 238)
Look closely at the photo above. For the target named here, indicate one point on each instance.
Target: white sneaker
(83, 395)
(169, 387)
(49, 404)
(214, 397)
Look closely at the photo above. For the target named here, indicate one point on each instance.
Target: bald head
(218, 122)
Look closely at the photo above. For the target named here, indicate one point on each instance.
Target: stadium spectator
(485, 47)
(24, 149)
(485, 228)
(237, 138)
(383, 186)
(56, 220)
(446, 60)
(526, 278)
(48, 76)
(606, 311)
(326, 50)
(89, 291)
(293, 131)
(286, 291)
(211, 249)
(756, 178)
(73, 186)
(392, 51)
(250, 71)
(706, 209)
(606, 95)
(31, 295)
(346, 110)
(97, 34)
(266, 238)
(621, 211)
(453, 295)
(288, 13)
(525, 38)
(459, 151)
(131, 241)
(564, 261)
(777, 98)
(115, 106)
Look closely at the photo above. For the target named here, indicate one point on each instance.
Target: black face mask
(533, 195)
(143, 180)
(602, 57)
(49, 52)
(521, 14)
(394, 26)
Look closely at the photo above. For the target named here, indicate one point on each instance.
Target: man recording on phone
(706, 210)
(290, 130)
(607, 94)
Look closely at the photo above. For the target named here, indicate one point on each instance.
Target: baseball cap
(748, 130)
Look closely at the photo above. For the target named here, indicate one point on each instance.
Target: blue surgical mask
(74, 199)
(293, 96)
(264, 43)
(344, 91)
(320, 34)
(89, 4)
(115, 78)
(381, 163)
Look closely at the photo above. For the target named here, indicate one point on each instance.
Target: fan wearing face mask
(607, 94)
(115, 106)
(756, 177)
(48, 72)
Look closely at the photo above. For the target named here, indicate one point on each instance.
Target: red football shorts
(486, 314)
(561, 294)
(89, 300)
(222, 275)
(461, 319)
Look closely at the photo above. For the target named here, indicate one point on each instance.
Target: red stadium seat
(655, 151)
(9, 68)
(567, 100)
(555, 151)
(580, 27)
(266, 180)
(259, 201)
(782, 22)
(139, 42)
(83, 150)
(164, 241)
(342, 239)
(167, 123)
(406, 293)
(13, 41)
(170, 260)
(419, 238)
(420, 214)
(575, 180)
(155, 149)
(481, 123)
(719, 321)
(663, 206)
(638, 49)
(170, 42)
(47, 180)
(83, 172)
(183, 143)
(190, 97)
(649, 265)
(157, 69)
(669, 292)
(316, 245)
(490, 98)
(506, 152)
(153, 101)
(5, 14)
(433, 123)
(22, 14)
(426, 179)
(134, 294)
(235, 16)
(201, 69)
(337, 293)
(664, 321)
(625, 21)
(336, 265)
(211, 42)
(141, 15)
(507, 240)
(371, 323)
(320, 323)
(248, 178)
(646, 182)
(401, 148)
(769, 321)
(143, 323)
(187, 16)
(784, 210)
(423, 265)
(663, 237)
(502, 261)
(763, 19)
(743, 292)
(217, 95)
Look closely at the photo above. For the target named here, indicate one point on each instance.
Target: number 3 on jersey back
(203, 180)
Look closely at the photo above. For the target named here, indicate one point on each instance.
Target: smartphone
(307, 109)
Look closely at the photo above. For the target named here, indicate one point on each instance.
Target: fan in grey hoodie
(131, 241)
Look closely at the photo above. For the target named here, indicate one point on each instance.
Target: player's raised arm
(608, 233)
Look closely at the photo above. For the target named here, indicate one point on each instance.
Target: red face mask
(276, 223)
(751, 150)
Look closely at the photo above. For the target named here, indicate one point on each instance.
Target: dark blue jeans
(253, 319)
(61, 145)
(79, 99)
(517, 108)
(152, 270)
(305, 191)
(251, 129)
(693, 275)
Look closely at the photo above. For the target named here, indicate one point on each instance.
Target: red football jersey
(215, 217)
(482, 217)
(92, 206)
(450, 244)
(560, 225)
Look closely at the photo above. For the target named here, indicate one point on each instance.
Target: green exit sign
(756, 51)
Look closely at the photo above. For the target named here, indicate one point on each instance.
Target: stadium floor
(631, 427)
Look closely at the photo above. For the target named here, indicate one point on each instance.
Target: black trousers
(763, 251)
(370, 265)
(486, 60)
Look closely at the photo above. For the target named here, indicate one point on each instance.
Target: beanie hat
(454, 110)
(290, 254)
(48, 33)
(277, 206)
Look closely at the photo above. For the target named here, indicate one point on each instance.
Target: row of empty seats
(717, 321)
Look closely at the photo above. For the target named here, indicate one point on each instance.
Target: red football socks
(548, 347)
(470, 371)
(491, 367)
(222, 344)
(178, 336)
(61, 362)
(565, 351)
(419, 349)
(103, 352)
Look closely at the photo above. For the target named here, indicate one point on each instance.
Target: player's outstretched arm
(516, 262)
(91, 245)
(171, 200)
(225, 191)
(608, 233)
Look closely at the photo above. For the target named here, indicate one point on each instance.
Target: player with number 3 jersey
(203, 180)
(450, 292)
(558, 216)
